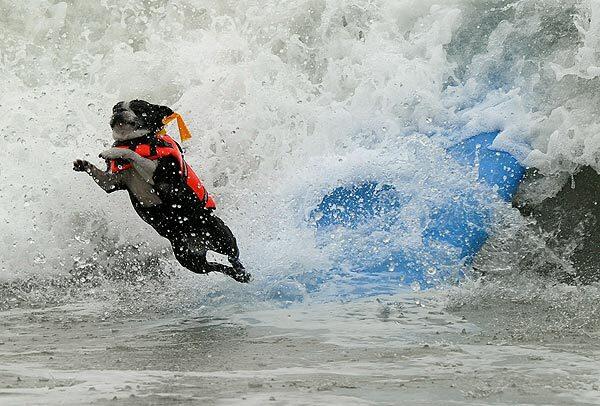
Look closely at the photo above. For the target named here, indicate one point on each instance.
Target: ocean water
(286, 101)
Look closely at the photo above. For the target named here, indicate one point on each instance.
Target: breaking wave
(285, 102)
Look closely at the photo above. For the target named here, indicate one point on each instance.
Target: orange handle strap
(184, 132)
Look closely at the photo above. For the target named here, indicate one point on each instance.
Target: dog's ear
(151, 114)
(157, 115)
(163, 111)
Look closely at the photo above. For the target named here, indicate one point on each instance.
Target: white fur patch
(115, 153)
(127, 132)
(212, 256)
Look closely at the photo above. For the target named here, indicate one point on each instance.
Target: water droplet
(40, 258)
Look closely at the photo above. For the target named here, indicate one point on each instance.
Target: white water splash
(285, 101)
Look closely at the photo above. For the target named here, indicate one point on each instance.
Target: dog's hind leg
(223, 241)
(195, 260)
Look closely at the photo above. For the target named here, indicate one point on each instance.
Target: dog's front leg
(145, 167)
(107, 181)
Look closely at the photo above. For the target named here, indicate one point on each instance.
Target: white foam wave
(285, 100)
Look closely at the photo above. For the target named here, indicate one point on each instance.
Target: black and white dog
(163, 189)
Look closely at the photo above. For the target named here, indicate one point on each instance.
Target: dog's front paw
(115, 153)
(80, 165)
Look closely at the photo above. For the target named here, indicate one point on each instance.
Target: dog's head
(137, 118)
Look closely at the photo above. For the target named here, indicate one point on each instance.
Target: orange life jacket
(166, 146)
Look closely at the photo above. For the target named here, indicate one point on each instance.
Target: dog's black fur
(160, 195)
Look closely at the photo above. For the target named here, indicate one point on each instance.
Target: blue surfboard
(455, 232)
